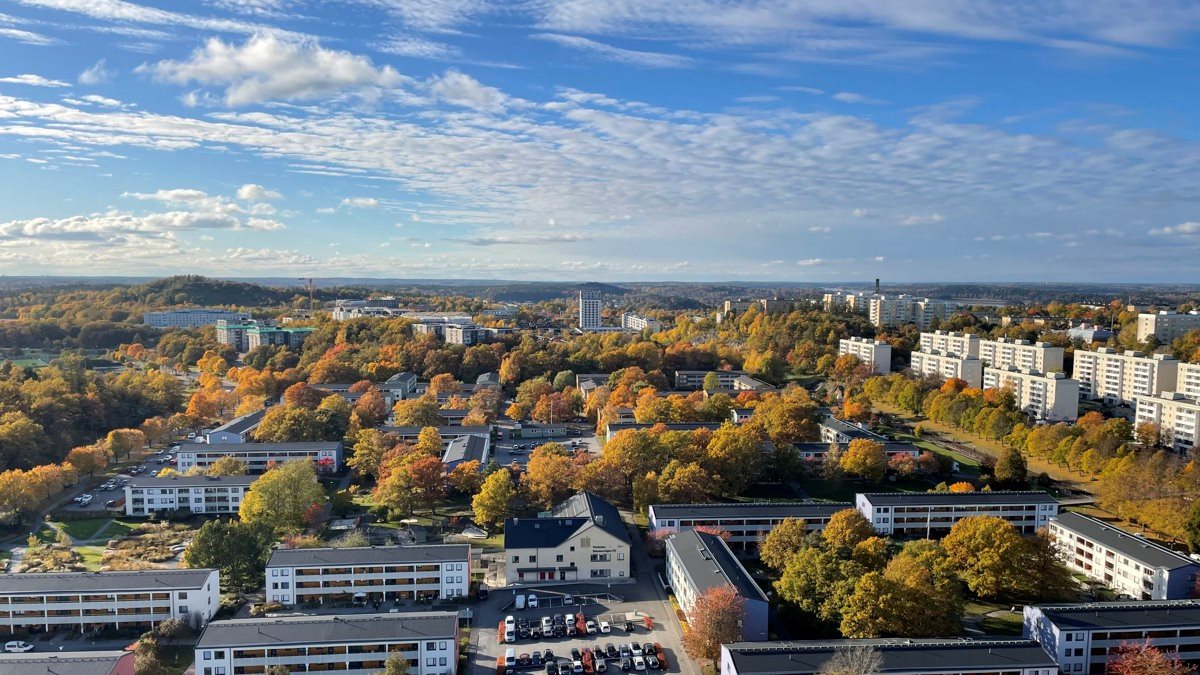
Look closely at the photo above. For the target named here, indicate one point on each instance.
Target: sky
(607, 140)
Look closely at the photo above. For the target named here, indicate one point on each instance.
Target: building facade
(747, 523)
(932, 514)
(326, 456)
(1023, 354)
(1187, 379)
(1133, 566)
(237, 430)
(464, 334)
(694, 379)
(897, 310)
(200, 494)
(355, 644)
(872, 352)
(966, 368)
(1052, 397)
(1119, 378)
(581, 539)
(697, 562)
(834, 430)
(191, 318)
(951, 343)
(1165, 326)
(898, 656)
(816, 452)
(640, 323)
(1177, 417)
(318, 576)
(292, 338)
(589, 310)
(88, 601)
(1082, 637)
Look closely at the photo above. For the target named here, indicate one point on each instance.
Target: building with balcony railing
(1083, 637)
(747, 523)
(307, 576)
(1119, 378)
(199, 494)
(932, 514)
(326, 456)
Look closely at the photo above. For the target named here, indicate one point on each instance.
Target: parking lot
(509, 450)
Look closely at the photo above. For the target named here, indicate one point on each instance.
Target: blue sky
(602, 139)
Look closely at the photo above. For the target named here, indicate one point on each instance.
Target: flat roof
(234, 448)
(1140, 549)
(302, 630)
(447, 430)
(749, 510)
(1127, 614)
(980, 497)
(710, 564)
(937, 655)
(888, 447)
(61, 663)
(676, 426)
(49, 583)
(181, 481)
(316, 557)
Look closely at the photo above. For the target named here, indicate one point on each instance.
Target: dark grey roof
(964, 498)
(61, 663)
(453, 413)
(241, 425)
(316, 557)
(705, 372)
(448, 430)
(465, 449)
(488, 378)
(750, 510)
(564, 520)
(614, 427)
(1128, 614)
(388, 385)
(261, 447)
(406, 378)
(939, 655)
(889, 447)
(317, 630)
(848, 429)
(1137, 548)
(95, 582)
(149, 481)
(708, 562)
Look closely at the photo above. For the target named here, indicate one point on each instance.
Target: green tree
(227, 466)
(1046, 577)
(238, 549)
(1011, 468)
(712, 381)
(782, 542)
(818, 582)
(396, 665)
(282, 496)
(494, 499)
(1192, 528)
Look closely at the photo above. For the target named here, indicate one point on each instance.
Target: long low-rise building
(698, 562)
(969, 369)
(1130, 565)
(67, 663)
(1051, 397)
(237, 430)
(303, 576)
(834, 430)
(613, 428)
(874, 353)
(192, 317)
(326, 456)
(816, 452)
(1177, 417)
(1083, 637)
(747, 522)
(932, 514)
(898, 656)
(86, 601)
(355, 644)
(396, 388)
(410, 434)
(200, 494)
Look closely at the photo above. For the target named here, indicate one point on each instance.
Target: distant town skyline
(973, 140)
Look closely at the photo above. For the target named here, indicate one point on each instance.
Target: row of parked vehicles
(557, 626)
(630, 657)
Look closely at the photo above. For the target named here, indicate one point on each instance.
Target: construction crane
(311, 288)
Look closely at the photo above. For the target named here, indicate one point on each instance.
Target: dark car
(575, 653)
(523, 632)
(611, 650)
(626, 663)
(551, 667)
(549, 656)
(652, 662)
(524, 660)
(598, 650)
(629, 626)
(624, 651)
(648, 648)
(483, 594)
(535, 632)
(560, 630)
(536, 659)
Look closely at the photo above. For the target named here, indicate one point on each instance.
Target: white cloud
(610, 53)
(28, 37)
(922, 220)
(859, 213)
(463, 90)
(97, 74)
(756, 99)
(256, 193)
(360, 202)
(102, 101)
(1185, 229)
(121, 11)
(436, 16)
(417, 47)
(34, 81)
(819, 228)
(810, 262)
(803, 90)
(851, 97)
(268, 67)
(97, 226)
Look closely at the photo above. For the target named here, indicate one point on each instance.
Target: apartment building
(87, 601)
(465, 334)
(1187, 379)
(236, 334)
(932, 514)
(449, 432)
(951, 343)
(363, 312)
(747, 522)
(1130, 565)
(398, 387)
(1177, 417)
(875, 353)
(1005, 352)
(1166, 326)
(467, 449)
(200, 494)
(315, 576)
(640, 323)
(966, 368)
(292, 338)
(68, 663)
(613, 428)
(697, 562)
(589, 310)
(1119, 378)
(897, 310)
(237, 430)
(815, 452)
(848, 301)
(834, 430)
(581, 539)
(1052, 397)
(694, 379)
(1082, 637)
(987, 655)
(191, 318)
(326, 456)
(354, 644)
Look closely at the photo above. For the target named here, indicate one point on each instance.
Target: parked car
(591, 627)
(601, 665)
(567, 599)
(648, 648)
(652, 662)
(610, 650)
(85, 500)
(626, 663)
(605, 627)
(532, 601)
(636, 649)
(524, 660)
(483, 594)
(110, 503)
(551, 667)
(628, 626)
(639, 663)
(547, 627)
(549, 656)
(577, 666)
(536, 659)
(624, 650)
(17, 647)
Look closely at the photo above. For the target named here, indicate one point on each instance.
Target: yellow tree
(549, 475)
(846, 529)
(494, 499)
(282, 496)
(865, 458)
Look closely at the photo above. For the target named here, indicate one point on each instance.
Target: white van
(520, 601)
(531, 601)
(510, 657)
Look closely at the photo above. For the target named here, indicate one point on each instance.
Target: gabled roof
(1146, 552)
(241, 425)
(99, 582)
(708, 563)
(466, 449)
(62, 663)
(579, 511)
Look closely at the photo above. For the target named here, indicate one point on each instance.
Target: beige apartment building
(1052, 397)
(950, 343)
(1176, 415)
(966, 368)
(873, 352)
(1166, 326)
(896, 310)
(581, 540)
(1119, 378)
(1005, 352)
(1187, 380)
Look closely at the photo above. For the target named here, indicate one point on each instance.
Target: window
(620, 556)
(441, 661)
(533, 558)
(431, 661)
(442, 645)
(558, 558)
(183, 595)
(516, 558)
(183, 609)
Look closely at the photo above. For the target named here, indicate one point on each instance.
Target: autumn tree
(1011, 468)
(549, 475)
(466, 478)
(228, 466)
(495, 497)
(853, 660)
(1046, 577)
(428, 480)
(986, 553)
(304, 395)
(281, 496)
(122, 442)
(1143, 658)
(846, 529)
(865, 457)
(734, 454)
(783, 541)
(369, 449)
(89, 458)
(417, 412)
(818, 582)
(684, 483)
(715, 619)
(371, 407)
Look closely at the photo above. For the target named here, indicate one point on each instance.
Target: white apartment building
(1119, 378)
(464, 334)
(237, 430)
(398, 387)
(315, 576)
(1131, 565)
(200, 494)
(292, 338)
(1053, 397)
(1176, 415)
(950, 343)
(640, 323)
(1166, 326)
(987, 655)
(1023, 354)
(932, 514)
(877, 354)
(191, 318)
(354, 644)
(86, 601)
(581, 539)
(697, 562)
(1083, 637)
(589, 309)
(1187, 380)
(850, 301)
(746, 522)
(326, 456)
(896, 310)
(966, 368)
(834, 430)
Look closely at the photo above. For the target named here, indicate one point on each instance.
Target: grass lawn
(492, 543)
(47, 534)
(83, 529)
(91, 556)
(994, 618)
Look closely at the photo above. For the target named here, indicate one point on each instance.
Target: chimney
(876, 285)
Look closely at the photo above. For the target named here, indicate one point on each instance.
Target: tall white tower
(589, 310)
